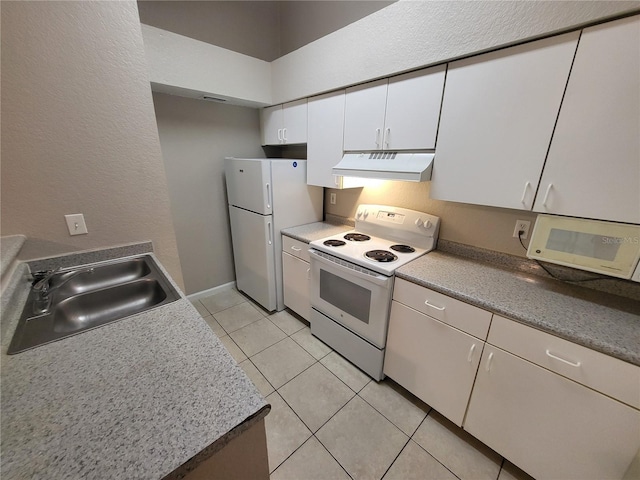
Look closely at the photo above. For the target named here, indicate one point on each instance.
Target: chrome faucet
(42, 303)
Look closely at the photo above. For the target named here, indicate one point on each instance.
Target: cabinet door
(547, 425)
(324, 143)
(498, 114)
(434, 361)
(593, 167)
(294, 122)
(271, 125)
(364, 116)
(295, 274)
(413, 109)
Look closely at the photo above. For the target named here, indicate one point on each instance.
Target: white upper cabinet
(413, 109)
(593, 167)
(271, 125)
(400, 113)
(284, 124)
(364, 116)
(324, 143)
(498, 115)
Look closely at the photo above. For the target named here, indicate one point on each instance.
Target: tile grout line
(396, 457)
(316, 360)
(327, 450)
(391, 421)
(427, 451)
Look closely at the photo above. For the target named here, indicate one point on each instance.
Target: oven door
(357, 298)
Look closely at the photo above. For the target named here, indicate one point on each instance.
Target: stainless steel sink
(92, 296)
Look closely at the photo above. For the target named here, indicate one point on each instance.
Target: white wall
(187, 67)
(411, 34)
(78, 129)
(196, 136)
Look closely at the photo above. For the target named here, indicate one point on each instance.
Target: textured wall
(78, 129)
(485, 227)
(411, 34)
(195, 137)
(194, 66)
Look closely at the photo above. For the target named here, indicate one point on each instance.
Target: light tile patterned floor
(329, 420)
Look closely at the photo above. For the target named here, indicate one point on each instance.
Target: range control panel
(391, 217)
(413, 227)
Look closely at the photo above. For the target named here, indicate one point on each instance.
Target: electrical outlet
(75, 224)
(524, 226)
(332, 198)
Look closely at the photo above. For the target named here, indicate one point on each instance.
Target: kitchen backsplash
(479, 226)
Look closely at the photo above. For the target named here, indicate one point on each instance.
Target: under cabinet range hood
(412, 167)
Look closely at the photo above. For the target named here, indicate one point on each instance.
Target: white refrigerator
(265, 196)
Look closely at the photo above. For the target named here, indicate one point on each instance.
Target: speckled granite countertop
(607, 323)
(137, 398)
(9, 248)
(314, 231)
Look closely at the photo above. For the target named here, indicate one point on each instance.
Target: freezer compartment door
(249, 184)
(253, 254)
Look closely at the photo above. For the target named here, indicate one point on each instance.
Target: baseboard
(211, 291)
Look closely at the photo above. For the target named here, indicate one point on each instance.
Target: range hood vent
(412, 167)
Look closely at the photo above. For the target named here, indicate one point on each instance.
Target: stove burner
(334, 243)
(403, 248)
(357, 237)
(381, 256)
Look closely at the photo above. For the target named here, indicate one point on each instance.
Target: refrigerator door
(249, 184)
(254, 255)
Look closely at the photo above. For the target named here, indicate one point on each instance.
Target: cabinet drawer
(608, 375)
(296, 248)
(460, 315)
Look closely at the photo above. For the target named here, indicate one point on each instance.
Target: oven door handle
(376, 278)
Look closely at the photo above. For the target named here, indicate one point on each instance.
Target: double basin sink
(87, 297)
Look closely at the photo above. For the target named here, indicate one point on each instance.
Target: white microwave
(602, 247)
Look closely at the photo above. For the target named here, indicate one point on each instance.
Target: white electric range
(352, 277)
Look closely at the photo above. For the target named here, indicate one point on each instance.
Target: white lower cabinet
(555, 409)
(296, 274)
(549, 426)
(434, 346)
(432, 360)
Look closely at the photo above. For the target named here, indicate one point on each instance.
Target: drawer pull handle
(440, 309)
(470, 356)
(295, 249)
(573, 364)
(488, 365)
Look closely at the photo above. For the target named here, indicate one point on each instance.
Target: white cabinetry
(284, 124)
(399, 113)
(430, 358)
(296, 275)
(498, 115)
(324, 142)
(593, 167)
(524, 406)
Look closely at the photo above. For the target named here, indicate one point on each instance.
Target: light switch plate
(75, 224)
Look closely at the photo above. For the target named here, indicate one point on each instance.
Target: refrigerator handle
(270, 234)
(268, 196)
